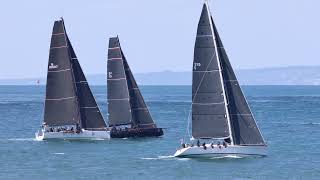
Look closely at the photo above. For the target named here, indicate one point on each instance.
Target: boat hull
(221, 151)
(136, 132)
(84, 134)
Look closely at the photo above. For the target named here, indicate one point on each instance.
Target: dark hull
(136, 132)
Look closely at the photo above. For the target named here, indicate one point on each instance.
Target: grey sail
(119, 109)
(91, 117)
(140, 114)
(61, 104)
(209, 112)
(243, 125)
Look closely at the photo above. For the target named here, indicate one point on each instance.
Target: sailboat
(128, 114)
(222, 122)
(70, 110)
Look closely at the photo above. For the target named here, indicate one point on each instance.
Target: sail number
(196, 65)
(110, 74)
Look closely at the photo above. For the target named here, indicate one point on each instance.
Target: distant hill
(297, 75)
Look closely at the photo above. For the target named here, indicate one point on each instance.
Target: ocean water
(288, 116)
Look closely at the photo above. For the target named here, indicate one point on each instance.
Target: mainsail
(139, 110)
(209, 108)
(119, 109)
(61, 103)
(244, 128)
(91, 117)
(125, 102)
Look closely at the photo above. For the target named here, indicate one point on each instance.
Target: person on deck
(225, 144)
(204, 146)
(198, 143)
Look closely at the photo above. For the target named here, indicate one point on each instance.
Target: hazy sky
(158, 35)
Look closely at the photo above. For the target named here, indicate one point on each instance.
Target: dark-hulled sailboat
(222, 122)
(127, 112)
(71, 111)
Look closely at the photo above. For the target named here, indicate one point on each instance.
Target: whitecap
(311, 124)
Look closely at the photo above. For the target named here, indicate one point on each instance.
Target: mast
(220, 71)
(210, 118)
(119, 109)
(139, 110)
(91, 117)
(61, 104)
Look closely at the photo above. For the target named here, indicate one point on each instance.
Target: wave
(58, 153)
(266, 101)
(295, 124)
(169, 101)
(310, 124)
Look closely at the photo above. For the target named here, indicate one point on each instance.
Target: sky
(158, 35)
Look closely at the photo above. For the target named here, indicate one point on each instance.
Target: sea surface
(288, 116)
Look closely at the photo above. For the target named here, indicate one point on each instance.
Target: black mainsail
(125, 102)
(91, 117)
(69, 100)
(119, 110)
(61, 103)
(238, 122)
(209, 108)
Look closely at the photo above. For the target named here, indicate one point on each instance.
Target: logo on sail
(196, 65)
(110, 75)
(52, 66)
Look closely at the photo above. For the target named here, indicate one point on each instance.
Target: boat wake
(227, 157)
(159, 158)
(22, 139)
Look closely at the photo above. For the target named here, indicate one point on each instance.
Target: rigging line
(195, 94)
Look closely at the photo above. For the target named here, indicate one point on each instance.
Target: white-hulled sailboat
(222, 122)
(70, 111)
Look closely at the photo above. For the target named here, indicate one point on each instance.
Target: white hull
(231, 150)
(84, 134)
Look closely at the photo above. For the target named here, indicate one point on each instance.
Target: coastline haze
(295, 75)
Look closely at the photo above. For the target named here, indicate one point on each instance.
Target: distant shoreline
(295, 75)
